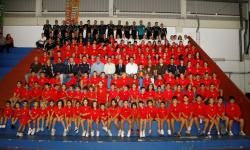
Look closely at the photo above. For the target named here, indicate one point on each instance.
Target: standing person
(46, 29)
(234, 113)
(131, 67)
(110, 28)
(109, 70)
(156, 30)
(94, 29)
(56, 29)
(141, 30)
(126, 29)
(119, 29)
(102, 31)
(134, 30)
(163, 32)
(148, 30)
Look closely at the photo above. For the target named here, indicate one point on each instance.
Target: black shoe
(13, 126)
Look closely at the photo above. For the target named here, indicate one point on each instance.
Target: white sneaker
(162, 132)
(122, 133)
(42, 129)
(119, 133)
(231, 133)
(21, 134)
(143, 133)
(77, 130)
(18, 134)
(208, 133)
(33, 131)
(105, 129)
(87, 134)
(169, 132)
(29, 131)
(242, 133)
(92, 133)
(149, 131)
(109, 133)
(97, 133)
(65, 132)
(83, 133)
(129, 133)
(218, 133)
(53, 131)
(4, 126)
(38, 129)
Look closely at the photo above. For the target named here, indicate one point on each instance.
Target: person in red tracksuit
(42, 116)
(134, 117)
(68, 114)
(16, 114)
(50, 114)
(59, 117)
(7, 114)
(113, 114)
(125, 114)
(211, 114)
(234, 113)
(162, 116)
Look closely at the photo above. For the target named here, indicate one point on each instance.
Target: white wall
(24, 36)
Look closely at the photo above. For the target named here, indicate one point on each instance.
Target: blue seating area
(9, 60)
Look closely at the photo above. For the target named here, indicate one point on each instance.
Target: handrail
(229, 88)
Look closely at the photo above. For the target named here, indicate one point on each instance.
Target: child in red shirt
(152, 113)
(7, 114)
(59, 117)
(95, 118)
(16, 114)
(175, 114)
(143, 116)
(68, 113)
(85, 117)
(221, 110)
(50, 114)
(234, 113)
(162, 116)
(34, 114)
(113, 114)
(211, 111)
(125, 114)
(17, 93)
(134, 117)
(42, 116)
(103, 117)
(187, 114)
(24, 118)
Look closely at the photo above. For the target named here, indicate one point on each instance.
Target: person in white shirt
(131, 67)
(109, 67)
(40, 43)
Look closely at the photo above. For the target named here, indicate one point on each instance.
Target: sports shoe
(169, 132)
(3, 126)
(129, 133)
(143, 133)
(122, 133)
(92, 133)
(162, 132)
(149, 131)
(65, 132)
(76, 130)
(83, 133)
(33, 131)
(53, 131)
(218, 133)
(29, 131)
(231, 133)
(42, 129)
(109, 133)
(242, 133)
(119, 133)
(140, 134)
(38, 129)
(87, 134)
(208, 133)
(97, 133)
(105, 129)
(18, 134)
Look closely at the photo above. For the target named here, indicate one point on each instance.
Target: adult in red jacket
(234, 113)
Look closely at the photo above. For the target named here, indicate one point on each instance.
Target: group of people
(112, 81)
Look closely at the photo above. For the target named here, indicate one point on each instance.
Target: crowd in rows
(117, 81)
